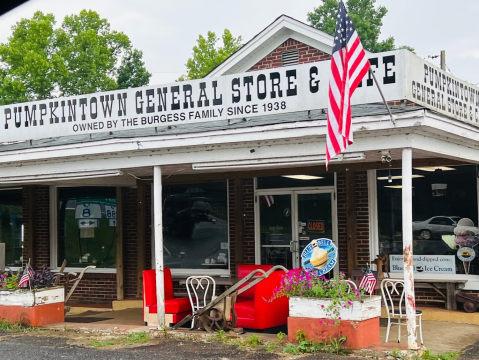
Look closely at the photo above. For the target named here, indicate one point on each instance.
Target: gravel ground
(61, 345)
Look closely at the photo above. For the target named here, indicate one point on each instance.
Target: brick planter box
(36, 307)
(359, 323)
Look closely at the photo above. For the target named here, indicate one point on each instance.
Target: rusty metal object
(219, 314)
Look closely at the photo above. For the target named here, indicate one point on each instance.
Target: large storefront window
(195, 226)
(11, 228)
(86, 226)
(441, 197)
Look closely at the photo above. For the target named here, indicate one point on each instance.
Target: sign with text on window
(429, 264)
(88, 210)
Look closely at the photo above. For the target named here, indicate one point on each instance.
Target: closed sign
(316, 225)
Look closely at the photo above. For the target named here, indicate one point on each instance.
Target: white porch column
(158, 230)
(409, 297)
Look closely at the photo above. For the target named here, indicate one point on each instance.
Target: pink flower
(357, 295)
(320, 321)
(350, 303)
(322, 306)
(339, 318)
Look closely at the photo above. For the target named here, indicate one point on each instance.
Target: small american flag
(25, 278)
(268, 200)
(368, 281)
(348, 67)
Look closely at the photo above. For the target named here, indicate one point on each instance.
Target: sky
(166, 30)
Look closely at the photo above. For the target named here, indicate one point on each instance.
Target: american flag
(348, 67)
(28, 274)
(268, 200)
(368, 281)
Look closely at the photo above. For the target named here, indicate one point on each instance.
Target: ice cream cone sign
(320, 256)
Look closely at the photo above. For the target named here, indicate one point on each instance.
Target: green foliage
(304, 346)
(367, 20)
(304, 284)
(132, 71)
(427, 355)
(336, 346)
(125, 341)
(396, 353)
(97, 343)
(82, 56)
(253, 340)
(6, 325)
(207, 55)
(9, 280)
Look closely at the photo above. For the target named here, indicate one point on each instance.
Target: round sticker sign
(466, 254)
(320, 255)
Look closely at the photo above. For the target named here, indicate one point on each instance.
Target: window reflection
(441, 197)
(195, 226)
(11, 229)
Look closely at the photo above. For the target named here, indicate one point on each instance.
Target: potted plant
(325, 308)
(35, 301)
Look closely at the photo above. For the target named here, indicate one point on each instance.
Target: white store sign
(401, 74)
(429, 264)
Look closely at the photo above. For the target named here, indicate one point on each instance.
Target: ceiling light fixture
(398, 177)
(434, 168)
(274, 162)
(302, 177)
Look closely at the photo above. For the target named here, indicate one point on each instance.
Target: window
(11, 226)
(195, 220)
(86, 226)
(441, 197)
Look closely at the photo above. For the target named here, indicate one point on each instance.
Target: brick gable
(306, 54)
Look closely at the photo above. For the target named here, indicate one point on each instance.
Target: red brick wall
(130, 242)
(306, 54)
(248, 223)
(362, 219)
(95, 289)
(41, 238)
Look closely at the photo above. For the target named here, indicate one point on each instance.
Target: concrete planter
(36, 307)
(359, 323)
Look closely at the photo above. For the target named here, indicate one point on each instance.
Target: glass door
(288, 220)
(314, 220)
(275, 229)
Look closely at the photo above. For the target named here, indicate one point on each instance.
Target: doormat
(84, 319)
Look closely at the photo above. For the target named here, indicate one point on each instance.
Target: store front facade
(246, 188)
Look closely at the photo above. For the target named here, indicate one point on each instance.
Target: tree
(132, 71)
(82, 56)
(367, 20)
(207, 56)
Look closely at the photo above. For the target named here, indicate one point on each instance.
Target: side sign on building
(431, 264)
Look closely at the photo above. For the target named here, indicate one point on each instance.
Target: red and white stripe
(268, 200)
(348, 67)
(368, 283)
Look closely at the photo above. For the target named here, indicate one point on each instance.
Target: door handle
(294, 246)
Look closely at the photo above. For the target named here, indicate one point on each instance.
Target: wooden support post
(30, 243)
(119, 244)
(238, 222)
(140, 231)
(158, 229)
(351, 222)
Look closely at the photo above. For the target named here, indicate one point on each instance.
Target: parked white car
(435, 227)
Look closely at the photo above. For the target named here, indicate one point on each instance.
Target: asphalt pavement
(22, 347)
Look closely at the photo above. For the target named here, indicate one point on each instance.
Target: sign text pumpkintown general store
(402, 75)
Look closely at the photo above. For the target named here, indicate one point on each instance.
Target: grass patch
(428, 355)
(125, 341)
(16, 326)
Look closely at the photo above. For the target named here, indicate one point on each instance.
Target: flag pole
(382, 95)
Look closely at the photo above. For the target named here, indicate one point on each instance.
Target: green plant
(19, 325)
(9, 280)
(219, 335)
(97, 343)
(427, 355)
(304, 345)
(164, 331)
(270, 346)
(280, 337)
(137, 338)
(291, 349)
(337, 290)
(396, 353)
(253, 340)
(337, 345)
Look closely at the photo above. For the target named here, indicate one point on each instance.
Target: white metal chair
(201, 290)
(392, 291)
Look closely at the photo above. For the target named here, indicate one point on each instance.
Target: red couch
(252, 307)
(175, 308)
